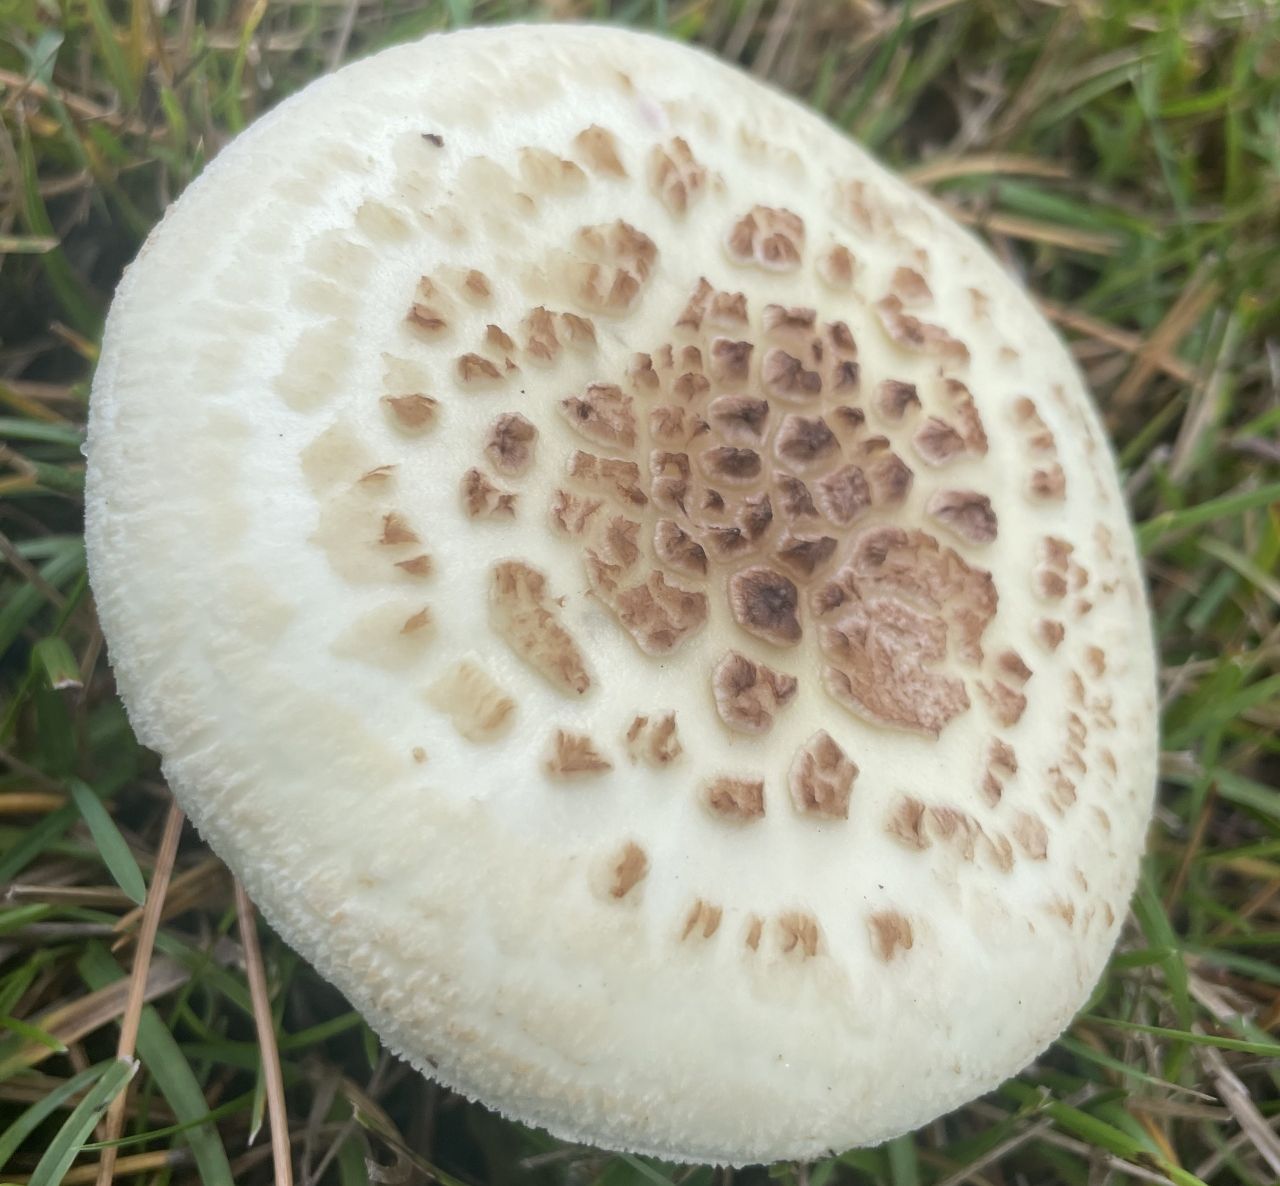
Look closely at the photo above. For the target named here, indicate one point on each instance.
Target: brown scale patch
(1046, 479)
(917, 826)
(412, 414)
(1001, 765)
(574, 755)
(475, 370)
(890, 933)
(657, 614)
(910, 287)
(794, 497)
(937, 442)
(1036, 434)
(497, 339)
(1050, 633)
(881, 655)
(821, 778)
(966, 513)
(786, 377)
(755, 932)
(609, 265)
(602, 414)
(884, 623)
(765, 604)
(676, 176)
(738, 419)
(803, 555)
(526, 617)
(731, 465)
(396, 530)
(790, 320)
(1064, 910)
(799, 934)
(805, 443)
(544, 172)
(509, 444)
(394, 636)
(1047, 482)
(702, 921)
(622, 540)
(538, 330)
(481, 499)
(1012, 667)
(749, 694)
(476, 287)
(767, 238)
(676, 548)
(964, 413)
(894, 398)
(921, 337)
(1031, 836)
(599, 148)
(610, 476)
(730, 360)
(654, 740)
(906, 822)
(572, 514)
(735, 798)
(721, 310)
(837, 267)
(380, 475)
(629, 867)
(417, 566)
(545, 334)
(428, 313)
(1007, 704)
(478, 707)
(1061, 790)
(1049, 576)
(889, 477)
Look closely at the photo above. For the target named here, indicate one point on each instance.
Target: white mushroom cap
(642, 600)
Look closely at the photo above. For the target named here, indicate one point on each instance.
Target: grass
(1124, 157)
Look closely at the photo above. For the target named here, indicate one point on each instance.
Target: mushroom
(641, 598)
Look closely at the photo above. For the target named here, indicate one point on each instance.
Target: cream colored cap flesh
(642, 600)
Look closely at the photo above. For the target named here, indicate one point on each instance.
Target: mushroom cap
(641, 599)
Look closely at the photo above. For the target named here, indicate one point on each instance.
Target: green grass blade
(70, 1139)
(167, 1065)
(1154, 532)
(111, 845)
(36, 839)
(12, 1138)
(23, 605)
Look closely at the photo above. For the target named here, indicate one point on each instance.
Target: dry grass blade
(1009, 164)
(1034, 230)
(126, 1167)
(255, 970)
(1199, 294)
(168, 851)
(185, 891)
(1237, 1098)
(89, 1013)
(30, 802)
(86, 108)
(1128, 343)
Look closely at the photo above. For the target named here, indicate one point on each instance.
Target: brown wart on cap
(690, 571)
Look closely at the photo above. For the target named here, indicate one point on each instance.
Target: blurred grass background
(1123, 157)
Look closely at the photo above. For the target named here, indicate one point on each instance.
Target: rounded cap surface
(642, 600)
